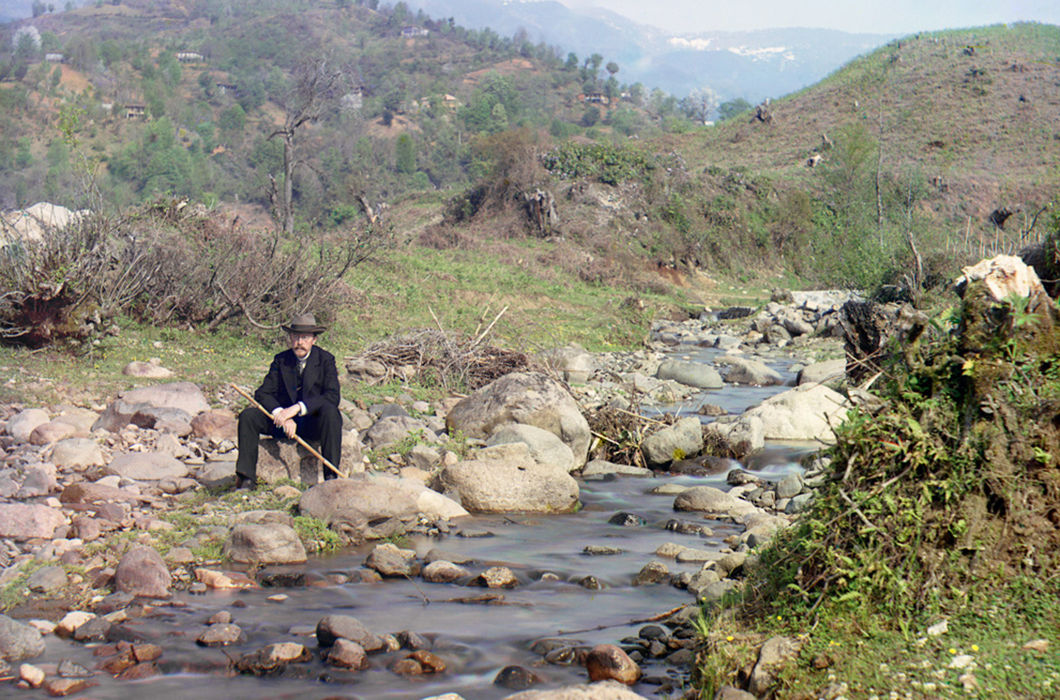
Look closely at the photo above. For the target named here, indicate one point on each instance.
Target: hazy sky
(874, 16)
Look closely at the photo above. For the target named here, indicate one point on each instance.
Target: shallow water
(475, 640)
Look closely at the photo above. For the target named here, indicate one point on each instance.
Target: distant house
(227, 88)
(595, 98)
(135, 111)
(413, 32)
(189, 57)
(53, 57)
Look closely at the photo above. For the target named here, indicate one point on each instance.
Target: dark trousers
(325, 426)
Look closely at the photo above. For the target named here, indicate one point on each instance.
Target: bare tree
(316, 84)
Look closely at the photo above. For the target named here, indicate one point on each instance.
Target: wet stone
(652, 573)
(139, 671)
(95, 630)
(220, 634)
(347, 654)
(72, 669)
(627, 520)
(652, 632)
(590, 582)
(497, 577)
(608, 662)
(431, 663)
(407, 667)
(413, 640)
(61, 687)
(601, 550)
(515, 678)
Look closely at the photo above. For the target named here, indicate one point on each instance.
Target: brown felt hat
(304, 323)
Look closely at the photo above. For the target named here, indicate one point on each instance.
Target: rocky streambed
(507, 563)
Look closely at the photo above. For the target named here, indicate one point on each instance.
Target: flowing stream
(476, 640)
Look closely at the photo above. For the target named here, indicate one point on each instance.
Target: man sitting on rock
(301, 391)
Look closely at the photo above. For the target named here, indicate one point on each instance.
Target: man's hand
(289, 428)
(281, 418)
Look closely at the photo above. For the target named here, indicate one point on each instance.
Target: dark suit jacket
(320, 382)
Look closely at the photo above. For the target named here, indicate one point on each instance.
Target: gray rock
(24, 521)
(424, 457)
(331, 628)
(775, 653)
(742, 370)
(789, 486)
(18, 641)
(604, 690)
(147, 466)
(711, 501)
(142, 572)
(147, 370)
(272, 658)
(348, 654)
(678, 441)
(701, 580)
(505, 478)
(51, 432)
(529, 398)
(373, 497)
(728, 692)
(48, 579)
(600, 468)
(545, 447)
(77, 452)
(652, 573)
(831, 373)
(214, 425)
(23, 423)
(692, 374)
(270, 543)
(799, 503)
(441, 571)
(184, 396)
(571, 362)
(388, 432)
(807, 412)
(221, 634)
(715, 591)
(38, 482)
(264, 517)
(390, 560)
(286, 459)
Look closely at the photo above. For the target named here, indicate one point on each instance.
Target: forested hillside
(187, 99)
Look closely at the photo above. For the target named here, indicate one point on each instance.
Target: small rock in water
(442, 571)
(608, 662)
(220, 634)
(652, 573)
(413, 640)
(497, 577)
(515, 678)
(590, 582)
(272, 658)
(624, 519)
(31, 675)
(347, 654)
(600, 550)
(60, 687)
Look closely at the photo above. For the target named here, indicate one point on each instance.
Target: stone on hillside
(23, 423)
(692, 374)
(389, 431)
(82, 492)
(571, 362)
(147, 466)
(18, 641)
(214, 425)
(607, 662)
(775, 653)
(742, 370)
(331, 628)
(375, 496)
(148, 370)
(77, 452)
(604, 690)
(37, 482)
(529, 398)
(506, 478)
(678, 441)
(50, 432)
(601, 468)
(390, 560)
(48, 579)
(544, 446)
(831, 373)
(81, 418)
(270, 543)
(22, 521)
(142, 572)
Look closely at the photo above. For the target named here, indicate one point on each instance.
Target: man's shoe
(245, 483)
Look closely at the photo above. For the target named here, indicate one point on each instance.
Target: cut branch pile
(456, 362)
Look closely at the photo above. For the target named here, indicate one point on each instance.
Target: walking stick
(297, 437)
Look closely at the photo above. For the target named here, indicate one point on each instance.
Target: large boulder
(711, 502)
(34, 222)
(22, 521)
(694, 374)
(571, 362)
(265, 543)
(375, 496)
(506, 478)
(678, 441)
(743, 370)
(604, 690)
(530, 398)
(391, 430)
(286, 459)
(77, 452)
(22, 424)
(831, 373)
(806, 412)
(544, 446)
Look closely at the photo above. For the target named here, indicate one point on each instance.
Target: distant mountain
(753, 65)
